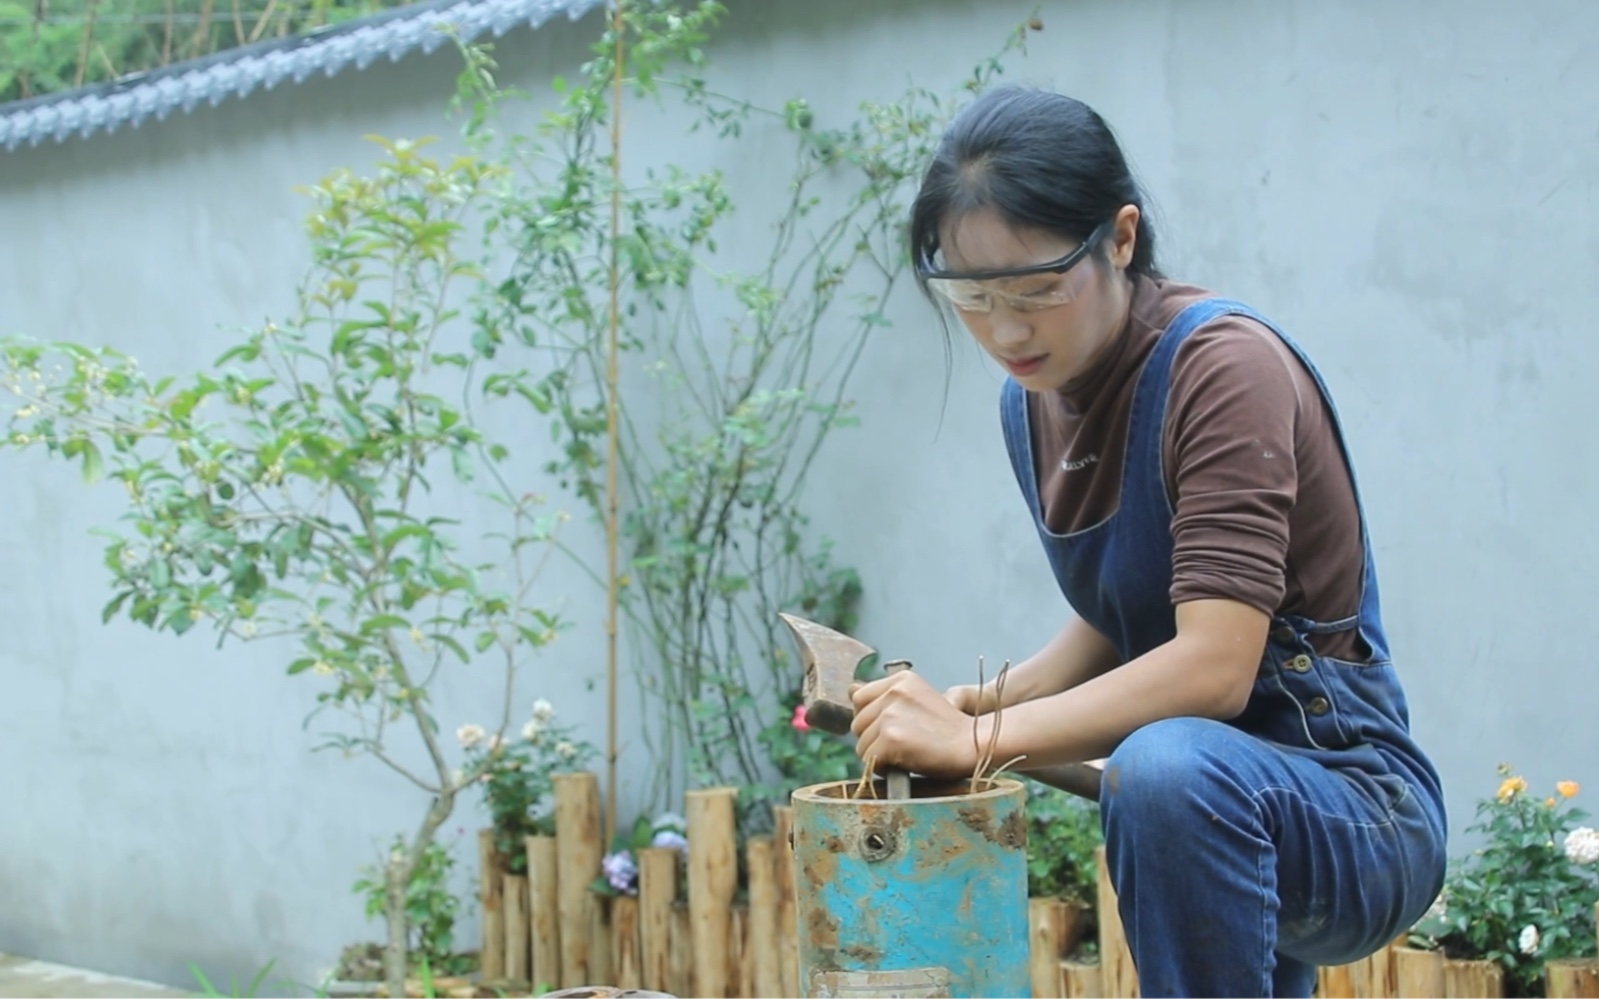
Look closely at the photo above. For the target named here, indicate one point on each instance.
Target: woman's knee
(1170, 765)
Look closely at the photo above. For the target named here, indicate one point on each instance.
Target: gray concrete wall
(1409, 189)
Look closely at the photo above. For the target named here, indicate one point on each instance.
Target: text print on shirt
(1068, 465)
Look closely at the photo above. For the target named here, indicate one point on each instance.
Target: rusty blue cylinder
(920, 897)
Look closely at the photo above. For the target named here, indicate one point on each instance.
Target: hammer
(831, 659)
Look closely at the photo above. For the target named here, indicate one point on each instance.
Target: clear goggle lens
(981, 296)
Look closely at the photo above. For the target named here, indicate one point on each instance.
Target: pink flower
(799, 721)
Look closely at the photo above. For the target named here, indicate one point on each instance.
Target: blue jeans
(1240, 864)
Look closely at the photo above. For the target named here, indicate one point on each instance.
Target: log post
(1571, 978)
(491, 887)
(1079, 981)
(1046, 940)
(1334, 981)
(682, 981)
(712, 881)
(764, 958)
(738, 955)
(787, 915)
(1373, 975)
(578, 854)
(544, 911)
(657, 893)
(1117, 975)
(517, 937)
(625, 942)
(1418, 974)
(602, 968)
(1473, 979)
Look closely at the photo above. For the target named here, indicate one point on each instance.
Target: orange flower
(1549, 802)
(1567, 788)
(1511, 787)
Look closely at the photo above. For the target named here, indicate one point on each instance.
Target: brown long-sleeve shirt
(1264, 511)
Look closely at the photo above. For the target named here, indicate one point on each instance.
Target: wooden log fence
(549, 930)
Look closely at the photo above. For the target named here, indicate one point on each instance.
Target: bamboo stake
(166, 36)
(517, 938)
(1046, 918)
(1079, 981)
(578, 855)
(681, 981)
(1117, 976)
(24, 82)
(263, 20)
(88, 36)
(612, 423)
(712, 880)
(657, 892)
(1473, 979)
(625, 942)
(491, 885)
(202, 35)
(1571, 978)
(787, 914)
(1418, 974)
(544, 910)
(765, 959)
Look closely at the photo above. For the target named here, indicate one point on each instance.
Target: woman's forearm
(1075, 655)
(1206, 671)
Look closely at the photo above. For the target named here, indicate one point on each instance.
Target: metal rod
(899, 782)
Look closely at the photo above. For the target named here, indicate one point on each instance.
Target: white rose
(566, 750)
(1528, 941)
(543, 711)
(1582, 846)
(469, 735)
(531, 730)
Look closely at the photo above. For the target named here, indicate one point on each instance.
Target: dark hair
(1041, 160)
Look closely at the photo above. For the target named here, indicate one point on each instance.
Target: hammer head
(830, 661)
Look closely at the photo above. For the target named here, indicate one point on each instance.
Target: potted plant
(431, 907)
(1525, 898)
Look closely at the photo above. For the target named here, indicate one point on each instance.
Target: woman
(1265, 808)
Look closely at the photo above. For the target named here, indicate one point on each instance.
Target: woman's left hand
(902, 722)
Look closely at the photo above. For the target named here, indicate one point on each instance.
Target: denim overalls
(1309, 829)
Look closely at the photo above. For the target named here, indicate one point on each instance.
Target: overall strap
(1144, 478)
(1018, 441)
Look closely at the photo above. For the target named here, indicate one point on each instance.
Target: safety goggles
(978, 291)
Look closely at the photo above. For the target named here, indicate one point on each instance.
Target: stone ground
(21, 978)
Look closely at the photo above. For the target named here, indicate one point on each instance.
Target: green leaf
(454, 646)
(484, 640)
(93, 464)
(110, 610)
(301, 665)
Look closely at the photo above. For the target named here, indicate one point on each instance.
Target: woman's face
(1042, 345)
